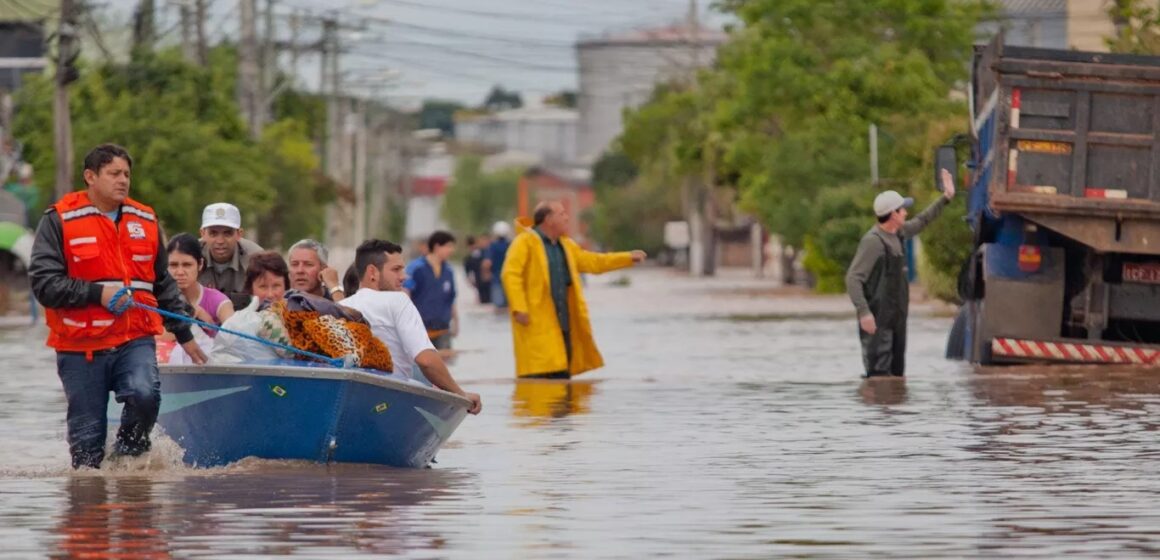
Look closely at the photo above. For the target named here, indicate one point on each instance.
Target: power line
(499, 59)
(506, 16)
(434, 68)
(518, 41)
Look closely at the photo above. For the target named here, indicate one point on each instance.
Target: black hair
(373, 252)
(471, 240)
(186, 244)
(439, 239)
(886, 218)
(350, 280)
(542, 212)
(103, 155)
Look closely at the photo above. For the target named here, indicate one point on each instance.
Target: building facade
(619, 71)
(546, 132)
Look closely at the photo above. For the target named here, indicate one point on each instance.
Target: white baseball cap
(890, 201)
(221, 214)
(501, 229)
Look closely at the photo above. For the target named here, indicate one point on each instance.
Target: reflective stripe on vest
(135, 284)
(79, 213)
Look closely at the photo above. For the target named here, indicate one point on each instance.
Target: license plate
(1142, 273)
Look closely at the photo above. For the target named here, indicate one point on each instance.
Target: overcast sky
(454, 49)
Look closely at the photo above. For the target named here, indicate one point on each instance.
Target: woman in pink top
(185, 262)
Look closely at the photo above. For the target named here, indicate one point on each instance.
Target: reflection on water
(279, 508)
(547, 398)
(110, 518)
(701, 439)
(883, 390)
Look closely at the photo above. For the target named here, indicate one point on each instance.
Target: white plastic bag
(178, 355)
(231, 349)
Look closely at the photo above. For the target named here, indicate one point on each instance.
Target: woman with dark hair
(267, 276)
(185, 263)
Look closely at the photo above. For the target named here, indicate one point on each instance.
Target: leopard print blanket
(334, 337)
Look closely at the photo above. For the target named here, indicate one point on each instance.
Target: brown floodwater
(727, 424)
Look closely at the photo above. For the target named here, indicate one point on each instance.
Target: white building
(620, 70)
(1054, 24)
(430, 174)
(546, 132)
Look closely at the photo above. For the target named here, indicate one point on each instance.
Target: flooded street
(729, 422)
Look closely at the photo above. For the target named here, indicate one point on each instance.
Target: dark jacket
(53, 287)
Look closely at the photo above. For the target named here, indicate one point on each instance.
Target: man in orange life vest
(88, 246)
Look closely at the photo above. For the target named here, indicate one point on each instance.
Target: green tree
(500, 99)
(629, 212)
(1137, 27)
(436, 113)
(303, 192)
(567, 99)
(476, 199)
(182, 126)
(782, 116)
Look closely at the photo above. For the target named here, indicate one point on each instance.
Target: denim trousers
(130, 372)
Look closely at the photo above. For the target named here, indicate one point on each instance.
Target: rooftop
(668, 34)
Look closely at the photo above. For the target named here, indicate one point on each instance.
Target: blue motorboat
(304, 410)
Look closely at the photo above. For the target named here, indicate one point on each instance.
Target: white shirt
(396, 322)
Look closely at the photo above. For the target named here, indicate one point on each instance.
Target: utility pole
(202, 49)
(144, 26)
(699, 195)
(360, 172)
(249, 81)
(328, 87)
(68, 48)
(188, 31)
(295, 28)
(269, 64)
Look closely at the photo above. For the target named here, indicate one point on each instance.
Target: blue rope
(123, 300)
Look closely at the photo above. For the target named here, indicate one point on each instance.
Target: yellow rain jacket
(539, 346)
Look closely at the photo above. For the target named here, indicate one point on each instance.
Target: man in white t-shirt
(395, 320)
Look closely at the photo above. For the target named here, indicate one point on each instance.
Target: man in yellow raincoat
(541, 276)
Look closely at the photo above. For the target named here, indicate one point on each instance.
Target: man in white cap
(493, 261)
(229, 254)
(877, 278)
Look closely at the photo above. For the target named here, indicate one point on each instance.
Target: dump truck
(1064, 203)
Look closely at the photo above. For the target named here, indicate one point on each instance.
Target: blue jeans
(130, 372)
(498, 297)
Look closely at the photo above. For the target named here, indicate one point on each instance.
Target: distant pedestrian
(493, 262)
(473, 266)
(877, 279)
(432, 289)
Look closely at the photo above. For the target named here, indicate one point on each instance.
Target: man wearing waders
(877, 278)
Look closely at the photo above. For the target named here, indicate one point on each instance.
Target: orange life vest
(113, 254)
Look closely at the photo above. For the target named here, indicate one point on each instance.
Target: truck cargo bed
(1075, 135)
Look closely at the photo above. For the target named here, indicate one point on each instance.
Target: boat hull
(219, 414)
